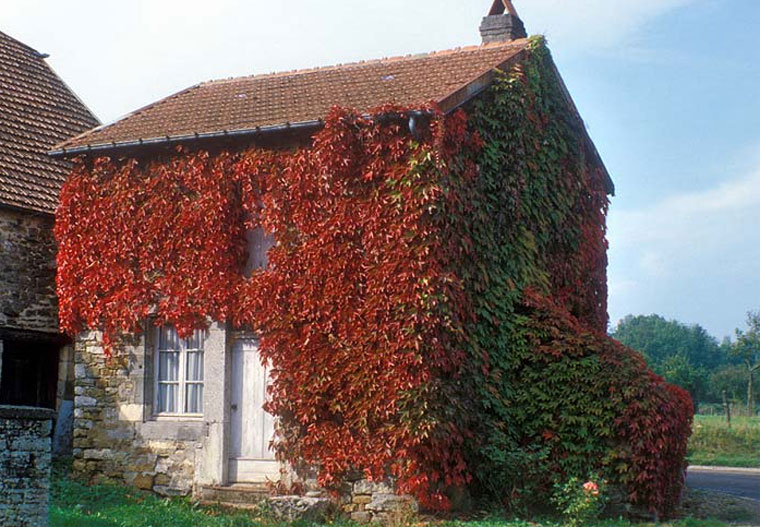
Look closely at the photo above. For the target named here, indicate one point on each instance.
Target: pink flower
(591, 488)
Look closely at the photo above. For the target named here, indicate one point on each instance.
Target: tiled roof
(37, 111)
(298, 97)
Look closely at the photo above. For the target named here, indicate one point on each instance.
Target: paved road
(746, 484)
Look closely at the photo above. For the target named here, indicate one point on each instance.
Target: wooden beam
(499, 6)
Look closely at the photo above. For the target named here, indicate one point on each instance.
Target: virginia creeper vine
(434, 307)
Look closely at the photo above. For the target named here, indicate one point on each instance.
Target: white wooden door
(251, 428)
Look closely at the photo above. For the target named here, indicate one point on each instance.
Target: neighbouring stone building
(37, 111)
(25, 458)
(184, 416)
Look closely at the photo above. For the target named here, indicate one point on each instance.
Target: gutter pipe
(414, 118)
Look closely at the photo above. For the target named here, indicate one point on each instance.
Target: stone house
(185, 416)
(37, 111)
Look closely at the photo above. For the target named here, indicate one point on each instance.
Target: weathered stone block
(82, 401)
(92, 453)
(364, 486)
(143, 481)
(165, 490)
(290, 508)
(391, 502)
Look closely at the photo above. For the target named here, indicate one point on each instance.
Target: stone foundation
(360, 499)
(24, 465)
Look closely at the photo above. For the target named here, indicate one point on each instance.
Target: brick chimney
(502, 23)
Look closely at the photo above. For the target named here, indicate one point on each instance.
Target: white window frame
(182, 382)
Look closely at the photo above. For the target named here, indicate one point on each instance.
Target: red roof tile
(37, 111)
(260, 101)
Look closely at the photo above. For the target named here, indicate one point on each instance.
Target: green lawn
(713, 443)
(76, 505)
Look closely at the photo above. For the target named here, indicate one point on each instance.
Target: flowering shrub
(434, 308)
(580, 503)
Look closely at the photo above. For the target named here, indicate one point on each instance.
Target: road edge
(731, 470)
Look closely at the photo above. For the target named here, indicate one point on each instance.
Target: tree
(681, 353)
(679, 370)
(658, 339)
(729, 378)
(747, 348)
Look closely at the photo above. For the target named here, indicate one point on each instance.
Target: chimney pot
(502, 28)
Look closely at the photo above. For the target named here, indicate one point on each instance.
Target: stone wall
(366, 501)
(111, 441)
(116, 436)
(361, 500)
(24, 465)
(27, 272)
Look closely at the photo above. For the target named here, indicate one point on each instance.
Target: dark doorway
(29, 373)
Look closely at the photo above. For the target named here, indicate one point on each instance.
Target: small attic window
(389, 77)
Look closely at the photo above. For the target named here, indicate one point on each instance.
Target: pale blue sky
(668, 88)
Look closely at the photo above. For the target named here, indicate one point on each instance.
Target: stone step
(237, 495)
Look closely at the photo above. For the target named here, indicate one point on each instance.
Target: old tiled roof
(249, 104)
(37, 111)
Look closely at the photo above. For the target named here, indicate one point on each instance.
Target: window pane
(167, 338)
(168, 366)
(196, 341)
(194, 366)
(168, 396)
(194, 399)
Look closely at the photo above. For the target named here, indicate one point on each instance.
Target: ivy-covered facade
(425, 288)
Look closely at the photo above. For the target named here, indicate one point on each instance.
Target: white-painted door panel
(251, 428)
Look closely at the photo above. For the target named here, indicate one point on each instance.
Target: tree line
(688, 356)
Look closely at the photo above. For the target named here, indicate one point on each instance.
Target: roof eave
(609, 184)
(477, 85)
(27, 209)
(183, 138)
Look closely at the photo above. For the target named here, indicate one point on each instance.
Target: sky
(669, 91)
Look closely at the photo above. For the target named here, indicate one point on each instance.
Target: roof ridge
(370, 62)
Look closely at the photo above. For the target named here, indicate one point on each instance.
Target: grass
(713, 443)
(74, 504)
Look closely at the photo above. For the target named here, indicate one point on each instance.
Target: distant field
(713, 443)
